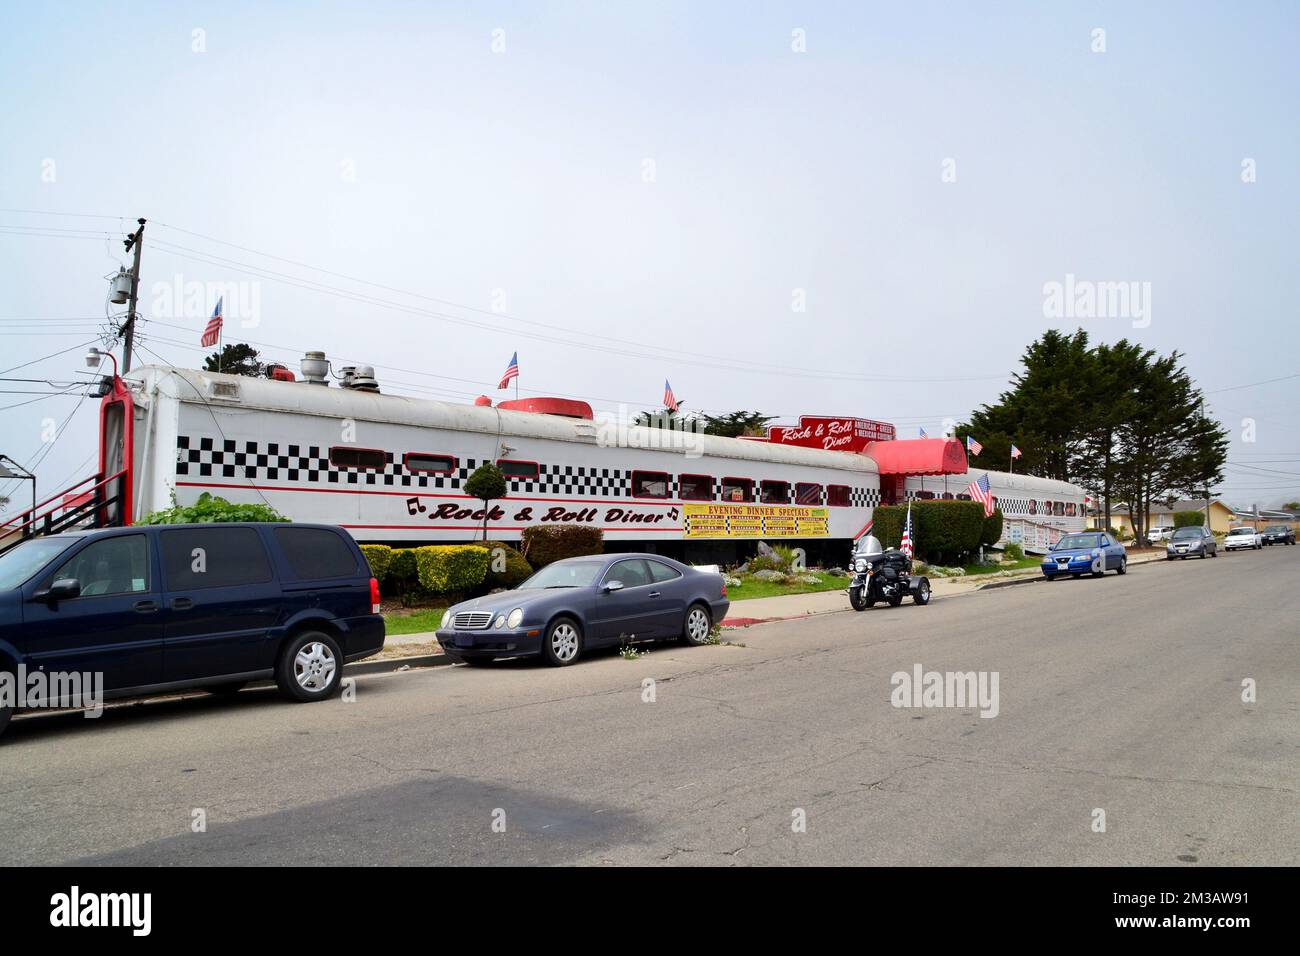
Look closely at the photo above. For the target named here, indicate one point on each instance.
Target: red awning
(918, 456)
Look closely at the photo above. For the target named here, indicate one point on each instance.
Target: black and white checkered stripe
(203, 457)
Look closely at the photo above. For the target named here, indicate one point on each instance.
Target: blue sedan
(581, 603)
(1090, 552)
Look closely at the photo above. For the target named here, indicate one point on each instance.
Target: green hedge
(943, 532)
(545, 544)
(210, 509)
(451, 567)
(517, 569)
(380, 558)
(1188, 519)
(992, 533)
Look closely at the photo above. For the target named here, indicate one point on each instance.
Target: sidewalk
(423, 648)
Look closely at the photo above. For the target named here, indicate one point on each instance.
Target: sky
(820, 208)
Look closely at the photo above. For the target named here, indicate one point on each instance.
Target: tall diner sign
(831, 434)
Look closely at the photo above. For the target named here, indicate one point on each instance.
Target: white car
(1160, 534)
(1243, 538)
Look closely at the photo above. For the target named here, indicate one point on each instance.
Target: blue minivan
(158, 608)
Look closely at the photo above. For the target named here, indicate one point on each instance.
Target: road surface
(1121, 695)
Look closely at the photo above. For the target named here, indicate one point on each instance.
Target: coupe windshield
(566, 574)
(1182, 534)
(1240, 531)
(1072, 541)
(19, 563)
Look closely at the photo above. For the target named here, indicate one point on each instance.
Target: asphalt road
(1121, 694)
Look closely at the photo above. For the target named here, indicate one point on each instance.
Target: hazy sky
(665, 182)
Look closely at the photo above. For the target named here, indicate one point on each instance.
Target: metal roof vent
(315, 368)
(360, 378)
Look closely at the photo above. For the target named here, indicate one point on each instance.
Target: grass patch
(750, 588)
(397, 623)
(1021, 565)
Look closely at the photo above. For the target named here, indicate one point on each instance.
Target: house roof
(1185, 504)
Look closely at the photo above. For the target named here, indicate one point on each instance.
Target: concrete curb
(390, 664)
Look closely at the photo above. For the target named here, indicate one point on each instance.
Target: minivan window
(215, 557)
(116, 565)
(316, 553)
(22, 561)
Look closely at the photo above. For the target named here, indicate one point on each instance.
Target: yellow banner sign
(754, 521)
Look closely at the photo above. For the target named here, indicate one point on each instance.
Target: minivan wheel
(310, 667)
(698, 622)
(562, 643)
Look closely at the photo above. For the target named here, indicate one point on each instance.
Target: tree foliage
(235, 358)
(486, 484)
(1122, 421)
(735, 424)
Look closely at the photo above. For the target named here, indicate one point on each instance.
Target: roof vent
(360, 378)
(315, 368)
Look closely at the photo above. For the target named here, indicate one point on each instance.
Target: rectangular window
(114, 565)
(925, 495)
(1058, 509)
(737, 489)
(837, 496)
(518, 470)
(315, 553)
(807, 493)
(1070, 509)
(423, 462)
(650, 484)
(774, 492)
(363, 459)
(197, 558)
(695, 487)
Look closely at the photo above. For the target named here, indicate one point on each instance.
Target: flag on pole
(923, 434)
(973, 446)
(512, 371)
(670, 400)
(212, 334)
(1015, 452)
(979, 491)
(906, 544)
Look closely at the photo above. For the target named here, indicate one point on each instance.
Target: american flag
(906, 544)
(973, 446)
(923, 434)
(512, 371)
(979, 491)
(1015, 452)
(670, 400)
(212, 334)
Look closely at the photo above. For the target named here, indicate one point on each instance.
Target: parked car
(1279, 534)
(157, 608)
(1160, 534)
(1192, 542)
(1089, 552)
(578, 604)
(1239, 538)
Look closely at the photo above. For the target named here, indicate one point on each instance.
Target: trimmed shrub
(1189, 519)
(379, 557)
(942, 531)
(451, 567)
(1014, 552)
(517, 569)
(992, 532)
(545, 544)
(210, 509)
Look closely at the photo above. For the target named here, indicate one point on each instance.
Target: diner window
(838, 496)
(737, 489)
(925, 495)
(1058, 509)
(774, 492)
(363, 459)
(695, 487)
(424, 462)
(650, 484)
(518, 470)
(1071, 509)
(807, 493)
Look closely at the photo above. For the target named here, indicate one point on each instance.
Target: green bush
(451, 567)
(517, 569)
(1014, 552)
(1189, 519)
(943, 532)
(545, 544)
(210, 509)
(992, 533)
(380, 558)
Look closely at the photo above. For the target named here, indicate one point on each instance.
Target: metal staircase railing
(77, 506)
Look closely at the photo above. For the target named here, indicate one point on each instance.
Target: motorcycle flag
(670, 400)
(512, 371)
(979, 491)
(1015, 452)
(212, 334)
(906, 544)
(973, 446)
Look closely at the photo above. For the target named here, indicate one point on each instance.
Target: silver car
(1192, 543)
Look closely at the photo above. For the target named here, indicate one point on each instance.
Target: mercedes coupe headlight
(500, 622)
(446, 619)
(516, 617)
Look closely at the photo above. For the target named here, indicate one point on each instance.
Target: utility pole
(136, 241)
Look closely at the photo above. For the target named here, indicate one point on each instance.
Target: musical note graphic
(412, 504)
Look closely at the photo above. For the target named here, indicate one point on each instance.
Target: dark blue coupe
(582, 603)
